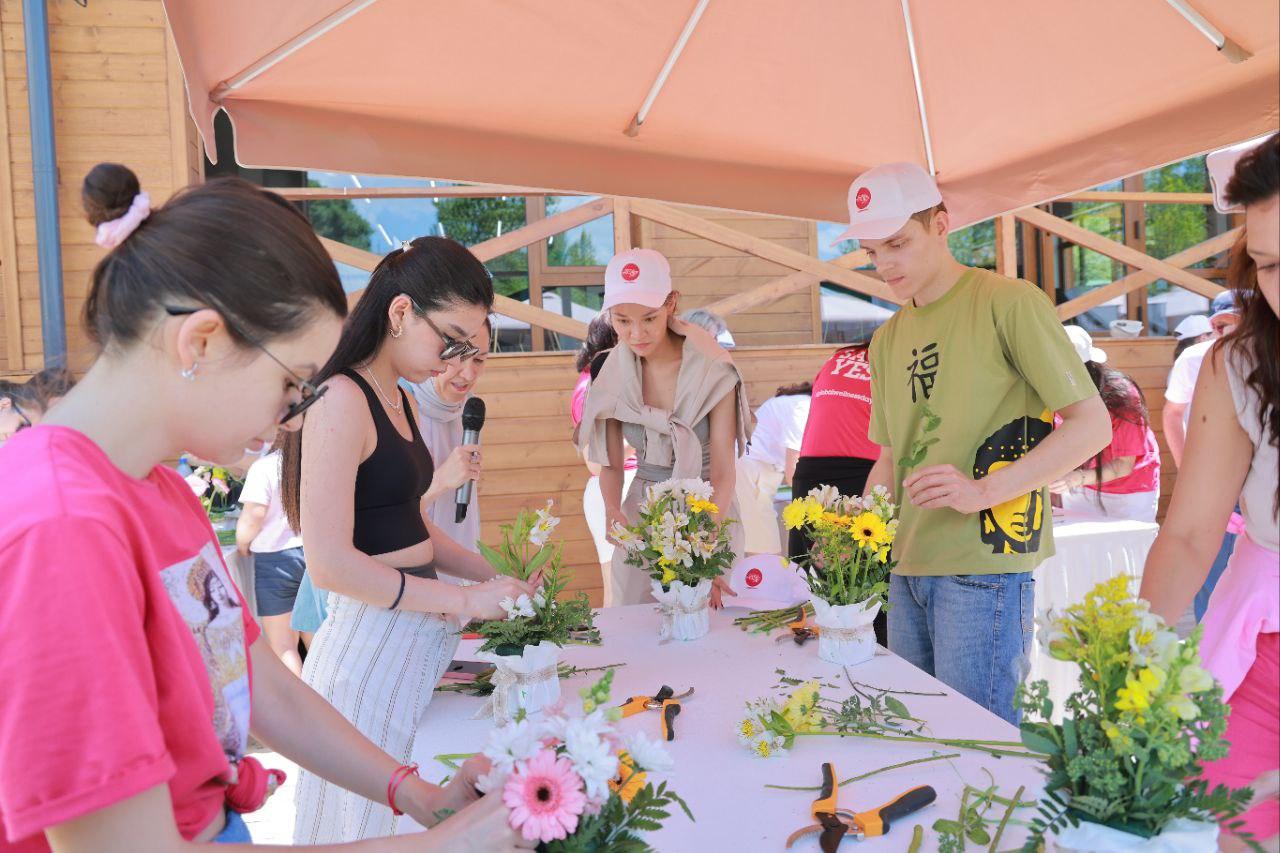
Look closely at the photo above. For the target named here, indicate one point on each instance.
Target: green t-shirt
(972, 380)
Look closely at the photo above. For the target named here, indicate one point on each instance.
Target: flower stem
(1005, 820)
(867, 775)
(987, 746)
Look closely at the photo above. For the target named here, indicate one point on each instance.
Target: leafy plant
(849, 560)
(679, 536)
(526, 553)
(1139, 727)
(920, 446)
(483, 683)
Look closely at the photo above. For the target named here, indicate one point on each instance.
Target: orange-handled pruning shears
(664, 701)
(835, 823)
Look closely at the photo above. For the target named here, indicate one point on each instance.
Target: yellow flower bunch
(801, 709)
(629, 780)
(697, 504)
(850, 558)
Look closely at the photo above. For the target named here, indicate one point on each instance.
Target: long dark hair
(1124, 401)
(1257, 178)
(435, 272)
(600, 337)
(799, 389)
(225, 244)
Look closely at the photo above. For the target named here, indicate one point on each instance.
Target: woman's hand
(719, 588)
(480, 827)
(1072, 480)
(612, 516)
(423, 801)
(483, 599)
(461, 790)
(463, 464)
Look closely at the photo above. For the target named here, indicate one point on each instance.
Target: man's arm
(1174, 430)
(1085, 430)
(882, 473)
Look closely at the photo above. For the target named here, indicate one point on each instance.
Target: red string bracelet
(404, 771)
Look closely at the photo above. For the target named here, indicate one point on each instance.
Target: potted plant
(847, 567)
(525, 646)
(576, 783)
(682, 544)
(1123, 766)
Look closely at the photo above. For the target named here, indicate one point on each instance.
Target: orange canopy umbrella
(758, 105)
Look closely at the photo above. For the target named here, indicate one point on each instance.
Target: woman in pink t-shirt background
(1123, 481)
(133, 673)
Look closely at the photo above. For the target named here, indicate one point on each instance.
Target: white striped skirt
(378, 667)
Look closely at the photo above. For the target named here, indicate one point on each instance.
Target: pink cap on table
(766, 582)
(883, 199)
(637, 277)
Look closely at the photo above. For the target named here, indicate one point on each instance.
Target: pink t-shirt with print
(123, 641)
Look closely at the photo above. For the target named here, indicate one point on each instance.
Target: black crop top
(391, 482)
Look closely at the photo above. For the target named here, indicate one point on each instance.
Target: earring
(395, 333)
(189, 373)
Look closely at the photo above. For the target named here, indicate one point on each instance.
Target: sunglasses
(462, 350)
(310, 393)
(26, 421)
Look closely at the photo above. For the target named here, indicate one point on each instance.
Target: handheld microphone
(472, 421)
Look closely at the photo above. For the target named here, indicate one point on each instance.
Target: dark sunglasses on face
(26, 421)
(310, 393)
(461, 350)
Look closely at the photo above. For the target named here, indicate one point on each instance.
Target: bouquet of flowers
(683, 546)
(525, 646)
(574, 784)
(218, 490)
(848, 566)
(1144, 719)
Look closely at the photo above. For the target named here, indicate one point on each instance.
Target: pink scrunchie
(113, 232)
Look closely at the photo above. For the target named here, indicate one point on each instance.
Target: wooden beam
(469, 191)
(1118, 251)
(9, 288)
(759, 247)
(1007, 246)
(504, 305)
(542, 229)
(1135, 236)
(1195, 254)
(772, 291)
(621, 225)
(1148, 197)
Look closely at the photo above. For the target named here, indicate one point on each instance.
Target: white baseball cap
(637, 277)
(883, 199)
(766, 582)
(1192, 326)
(1083, 344)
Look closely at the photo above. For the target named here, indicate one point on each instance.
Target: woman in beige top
(675, 396)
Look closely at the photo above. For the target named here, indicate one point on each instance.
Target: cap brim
(1097, 355)
(874, 229)
(757, 602)
(645, 299)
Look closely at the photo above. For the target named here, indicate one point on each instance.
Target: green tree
(580, 252)
(1174, 227)
(337, 219)
(975, 245)
(474, 220)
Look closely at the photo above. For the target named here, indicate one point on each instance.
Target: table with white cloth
(722, 782)
(1088, 551)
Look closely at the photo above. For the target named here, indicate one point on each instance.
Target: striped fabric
(378, 667)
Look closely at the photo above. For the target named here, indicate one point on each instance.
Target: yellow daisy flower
(629, 781)
(868, 529)
(697, 504)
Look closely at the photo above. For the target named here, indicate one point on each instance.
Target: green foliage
(1174, 227)
(920, 446)
(617, 826)
(679, 535)
(338, 220)
(474, 220)
(975, 245)
(580, 252)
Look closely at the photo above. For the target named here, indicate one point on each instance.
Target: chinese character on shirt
(924, 370)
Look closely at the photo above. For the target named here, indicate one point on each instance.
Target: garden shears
(801, 631)
(835, 823)
(665, 701)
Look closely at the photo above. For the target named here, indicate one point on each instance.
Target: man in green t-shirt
(966, 377)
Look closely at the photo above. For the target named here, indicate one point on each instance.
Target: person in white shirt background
(1225, 316)
(278, 559)
(769, 462)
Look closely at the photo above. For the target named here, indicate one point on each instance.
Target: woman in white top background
(769, 462)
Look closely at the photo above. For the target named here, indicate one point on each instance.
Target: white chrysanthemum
(516, 741)
(590, 754)
(648, 754)
(517, 607)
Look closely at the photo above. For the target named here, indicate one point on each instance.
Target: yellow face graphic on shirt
(1014, 526)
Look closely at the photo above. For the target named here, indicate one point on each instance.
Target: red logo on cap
(863, 198)
(754, 577)
(630, 272)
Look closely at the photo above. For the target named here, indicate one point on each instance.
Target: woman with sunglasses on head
(355, 484)
(133, 675)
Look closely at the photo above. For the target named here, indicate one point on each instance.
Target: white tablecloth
(721, 781)
(1087, 552)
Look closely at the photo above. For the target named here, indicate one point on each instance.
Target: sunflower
(629, 780)
(869, 530)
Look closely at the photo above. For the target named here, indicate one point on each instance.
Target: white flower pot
(529, 680)
(845, 634)
(1180, 836)
(685, 610)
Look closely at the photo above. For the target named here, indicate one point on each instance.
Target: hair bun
(108, 191)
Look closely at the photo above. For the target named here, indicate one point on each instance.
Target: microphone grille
(473, 414)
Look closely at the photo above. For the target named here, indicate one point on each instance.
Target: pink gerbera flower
(545, 797)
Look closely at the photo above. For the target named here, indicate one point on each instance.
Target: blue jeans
(1215, 572)
(971, 632)
(235, 832)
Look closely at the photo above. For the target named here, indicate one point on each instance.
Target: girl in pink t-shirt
(133, 675)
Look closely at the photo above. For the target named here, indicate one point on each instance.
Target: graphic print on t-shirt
(852, 364)
(204, 596)
(1014, 526)
(924, 370)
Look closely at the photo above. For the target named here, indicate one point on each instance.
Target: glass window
(587, 245)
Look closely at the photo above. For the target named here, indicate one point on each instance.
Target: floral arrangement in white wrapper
(573, 783)
(525, 646)
(684, 546)
(848, 566)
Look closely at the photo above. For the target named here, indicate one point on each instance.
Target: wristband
(404, 771)
(400, 594)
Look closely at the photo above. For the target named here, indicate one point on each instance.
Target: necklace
(395, 407)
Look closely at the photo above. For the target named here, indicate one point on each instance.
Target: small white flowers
(648, 754)
(517, 607)
(517, 741)
(628, 539)
(544, 523)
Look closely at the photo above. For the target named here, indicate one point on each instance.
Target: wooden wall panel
(117, 95)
